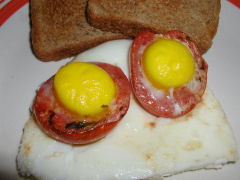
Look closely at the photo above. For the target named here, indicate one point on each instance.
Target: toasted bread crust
(199, 19)
(60, 29)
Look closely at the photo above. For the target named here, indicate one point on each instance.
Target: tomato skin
(184, 97)
(65, 126)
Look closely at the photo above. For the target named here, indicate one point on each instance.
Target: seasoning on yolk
(168, 63)
(84, 88)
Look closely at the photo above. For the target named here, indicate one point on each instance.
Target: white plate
(21, 74)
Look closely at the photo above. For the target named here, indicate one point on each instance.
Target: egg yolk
(84, 88)
(168, 63)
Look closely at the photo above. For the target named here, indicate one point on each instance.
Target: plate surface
(21, 74)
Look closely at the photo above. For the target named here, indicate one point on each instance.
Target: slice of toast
(60, 29)
(199, 19)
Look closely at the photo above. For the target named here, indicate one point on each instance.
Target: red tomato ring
(67, 127)
(177, 101)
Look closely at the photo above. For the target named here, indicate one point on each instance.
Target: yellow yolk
(84, 88)
(168, 63)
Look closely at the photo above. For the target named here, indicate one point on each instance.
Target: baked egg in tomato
(82, 102)
(167, 72)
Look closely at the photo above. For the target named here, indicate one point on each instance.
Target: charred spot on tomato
(50, 122)
(52, 114)
(68, 125)
(76, 125)
(198, 78)
(202, 67)
(79, 125)
(121, 108)
(188, 38)
(122, 115)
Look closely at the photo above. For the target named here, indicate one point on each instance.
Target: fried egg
(141, 146)
(167, 72)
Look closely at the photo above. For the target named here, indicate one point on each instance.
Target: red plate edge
(10, 8)
(235, 2)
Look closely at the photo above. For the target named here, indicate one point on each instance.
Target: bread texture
(199, 19)
(60, 29)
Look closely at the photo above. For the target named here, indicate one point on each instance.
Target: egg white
(113, 52)
(140, 147)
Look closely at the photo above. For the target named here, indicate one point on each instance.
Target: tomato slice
(176, 101)
(67, 127)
